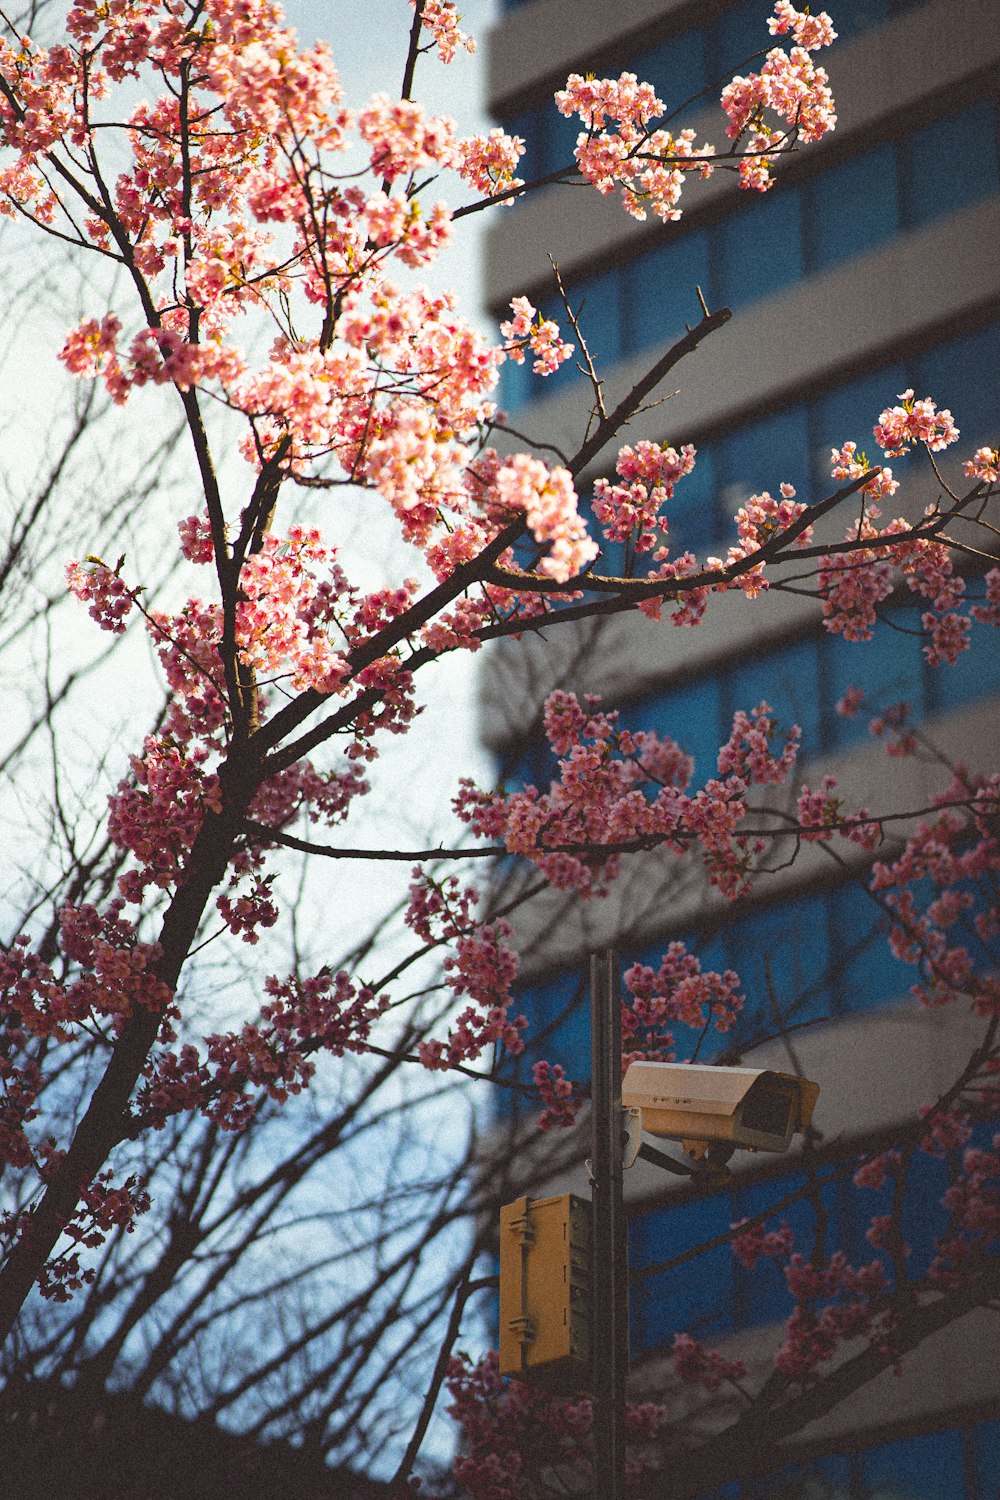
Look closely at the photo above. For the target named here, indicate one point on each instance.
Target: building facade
(870, 267)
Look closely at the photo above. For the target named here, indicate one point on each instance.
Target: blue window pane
(762, 456)
(853, 208)
(889, 668)
(976, 673)
(824, 1479)
(964, 375)
(516, 384)
(951, 163)
(558, 1014)
(739, 33)
(852, 17)
(789, 680)
(987, 1444)
(660, 298)
(848, 413)
(694, 517)
(531, 764)
(675, 68)
(695, 1296)
(924, 1217)
(868, 977)
(558, 135)
(761, 247)
(762, 1295)
(920, 1468)
(526, 125)
(597, 302)
(782, 955)
(691, 715)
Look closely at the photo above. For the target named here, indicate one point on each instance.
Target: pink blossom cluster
(489, 162)
(761, 520)
(679, 991)
(809, 31)
(973, 1204)
(441, 19)
(690, 605)
(109, 597)
(815, 1332)
(607, 795)
(107, 975)
(631, 511)
(989, 613)
(527, 329)
(916, 421)
(696, 1365)
(984, 464)
(327, 1012)
(157, 811)
(927, 932)
(560, 1101)
(549, 503)
(823, 812)
(971, 1200)
(749, 753)
(249, 909)
(852, 591)
(513, 1432)
(788, 86)
(481, 963)
(20, 1086)
(848, 463)
(115, 972)
(507, 1426)
(892, 726)
(101, 1209)
(403, 137)
(647, 165)
(756, 1243)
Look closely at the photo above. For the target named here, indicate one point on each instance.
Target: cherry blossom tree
(254, 237)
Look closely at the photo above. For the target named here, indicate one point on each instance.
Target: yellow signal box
(545, 1292)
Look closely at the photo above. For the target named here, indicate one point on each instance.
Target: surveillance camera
(755, 1108)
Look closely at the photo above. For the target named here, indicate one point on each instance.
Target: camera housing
(757, 1109)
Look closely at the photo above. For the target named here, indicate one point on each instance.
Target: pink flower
(914, 422)
(984, 464)
(441, 19)
(542, 337)
(548, 500)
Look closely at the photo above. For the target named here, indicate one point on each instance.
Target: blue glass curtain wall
(956, 1463)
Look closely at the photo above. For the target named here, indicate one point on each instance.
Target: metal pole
(609, 1238)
